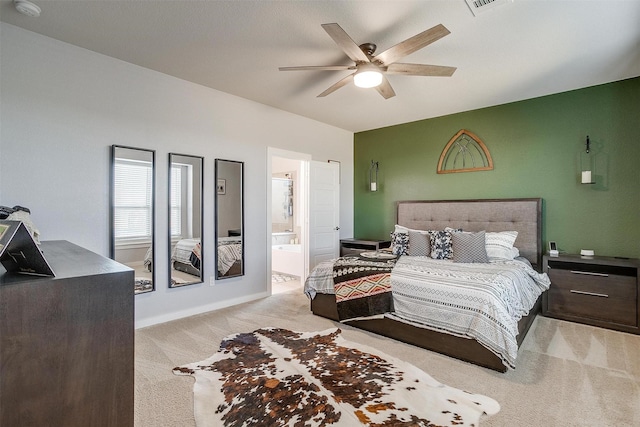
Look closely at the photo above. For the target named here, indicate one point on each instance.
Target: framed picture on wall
(222, 186)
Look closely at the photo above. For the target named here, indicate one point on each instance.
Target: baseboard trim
(143, 323)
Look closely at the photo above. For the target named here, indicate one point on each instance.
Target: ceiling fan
(370, 69)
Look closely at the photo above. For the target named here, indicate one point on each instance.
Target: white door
(324, 212)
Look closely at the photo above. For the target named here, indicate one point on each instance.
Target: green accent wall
(536, 147)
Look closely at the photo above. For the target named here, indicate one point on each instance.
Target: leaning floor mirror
(185, 220)
(132, 209)
(229, 219)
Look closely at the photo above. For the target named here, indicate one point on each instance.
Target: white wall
(61, 109)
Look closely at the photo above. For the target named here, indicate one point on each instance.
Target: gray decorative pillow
(399, 243)
(469, 247)
(419, 243)
(441, 245)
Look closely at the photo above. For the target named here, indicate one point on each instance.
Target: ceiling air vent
(479, 6)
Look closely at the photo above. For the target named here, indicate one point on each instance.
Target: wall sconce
(373, 176)
(586, 164)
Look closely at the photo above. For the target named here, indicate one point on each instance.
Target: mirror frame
(200, 182)
(112, 210)
(217, 215)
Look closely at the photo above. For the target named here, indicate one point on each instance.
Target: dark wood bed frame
(234, 270)
(522, 215)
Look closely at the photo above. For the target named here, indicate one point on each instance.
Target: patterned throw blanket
(277, 377)
(363, 287)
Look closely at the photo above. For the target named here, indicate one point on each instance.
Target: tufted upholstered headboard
(521, 215)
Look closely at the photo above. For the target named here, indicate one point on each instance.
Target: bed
(186, 256)
(492, 216)
(230, 255)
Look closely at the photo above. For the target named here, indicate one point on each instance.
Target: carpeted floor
(567, 375)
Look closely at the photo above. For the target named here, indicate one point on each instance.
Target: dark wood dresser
(598, 291)
(67, 342)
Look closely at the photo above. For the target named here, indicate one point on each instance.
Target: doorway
(287, 219)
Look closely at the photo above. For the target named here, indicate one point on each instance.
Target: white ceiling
(522, 49)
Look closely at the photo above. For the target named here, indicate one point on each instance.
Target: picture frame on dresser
(19, 253)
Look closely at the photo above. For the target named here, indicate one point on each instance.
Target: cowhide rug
(275, 377)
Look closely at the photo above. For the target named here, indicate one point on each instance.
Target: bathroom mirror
(133, 213)
(185, 220)
(282, 204)
(229, 219)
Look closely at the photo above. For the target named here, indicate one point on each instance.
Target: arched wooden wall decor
(465, 152)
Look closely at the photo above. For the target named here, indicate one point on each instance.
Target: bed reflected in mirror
(132, 208)
(185, 220)
(229, 219)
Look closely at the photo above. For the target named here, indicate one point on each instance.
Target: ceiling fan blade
(319, 68)
(337, 85)
(385, 89)
(412, 44)
(420, 70)
(345, 42)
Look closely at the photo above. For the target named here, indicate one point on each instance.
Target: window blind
(133, 199)
(176, 199)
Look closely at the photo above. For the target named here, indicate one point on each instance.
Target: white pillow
(401, 229)
(515, 252)
(500, 245)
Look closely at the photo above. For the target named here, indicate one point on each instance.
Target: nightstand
(356, 246)
(598, 291)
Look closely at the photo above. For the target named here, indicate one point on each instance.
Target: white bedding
(182, 250)
(480, 301)
(229, 251)
(320, 280)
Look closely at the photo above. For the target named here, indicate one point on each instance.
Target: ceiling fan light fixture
(370, 68)
(367, 76)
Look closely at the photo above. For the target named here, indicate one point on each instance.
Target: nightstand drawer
(599, 291)
(611, 285)
(601, 270)
(610, 298)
